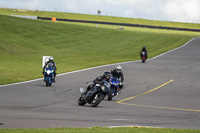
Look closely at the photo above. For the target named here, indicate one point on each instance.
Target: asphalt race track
(163, 92)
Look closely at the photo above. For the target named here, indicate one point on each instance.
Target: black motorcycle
(95, 95)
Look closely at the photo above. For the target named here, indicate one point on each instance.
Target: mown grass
(101, 130)
(136, 29)
(4, 11)
(23, 42)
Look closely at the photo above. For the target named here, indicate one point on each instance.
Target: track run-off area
(163, 92)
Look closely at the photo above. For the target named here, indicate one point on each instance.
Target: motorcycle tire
(81, 101)
(47, 81)
(50, 81)
(110, 95)
(143, 61)
(96, 100)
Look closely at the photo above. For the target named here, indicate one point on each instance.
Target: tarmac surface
(163, 92)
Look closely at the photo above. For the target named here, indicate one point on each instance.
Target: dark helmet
(144, 48)
(106, 75)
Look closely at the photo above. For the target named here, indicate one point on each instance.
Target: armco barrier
(25, 16)
(121, 24)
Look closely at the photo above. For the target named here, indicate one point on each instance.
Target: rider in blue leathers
(51, 62)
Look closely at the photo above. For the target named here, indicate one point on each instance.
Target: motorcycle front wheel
(96, 100)
(110, 95)
(50, 81)
(81, 101)
(47, 81)
(143, 61)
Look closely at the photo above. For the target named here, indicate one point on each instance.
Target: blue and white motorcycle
(114, 87)
(49, 75)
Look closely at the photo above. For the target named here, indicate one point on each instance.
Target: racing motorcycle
(49, 75)
(114, 87)
(143, 56)
(95, 95)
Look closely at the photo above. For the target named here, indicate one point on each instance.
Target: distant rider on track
(144, 50)
(51, 62)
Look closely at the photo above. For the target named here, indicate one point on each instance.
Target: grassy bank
(23, 42)
(4, 11)
(101, 130)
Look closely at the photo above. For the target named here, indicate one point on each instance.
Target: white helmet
(51, 58)
(118, 68)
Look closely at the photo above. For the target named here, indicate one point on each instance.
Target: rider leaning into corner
(98, 80)
(117, 72)
(51, 62)
(144, 50)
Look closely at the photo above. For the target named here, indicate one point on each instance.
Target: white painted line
(134, 126)
(123, 119)
(173, 49)
(99, 66)
(21, 82)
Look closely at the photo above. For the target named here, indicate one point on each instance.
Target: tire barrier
(121, 24)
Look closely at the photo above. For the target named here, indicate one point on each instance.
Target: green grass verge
(4, 11)
(74, 46)
(101, 130)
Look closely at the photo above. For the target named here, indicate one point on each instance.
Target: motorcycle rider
(98, 80)
(117, 72)
(144, 50)
(51, 62)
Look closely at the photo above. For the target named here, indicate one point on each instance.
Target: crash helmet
(118, 68)
(144, 48)
(51, 58)
(106, 75)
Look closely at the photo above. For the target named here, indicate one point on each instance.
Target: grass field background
(23, 42)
